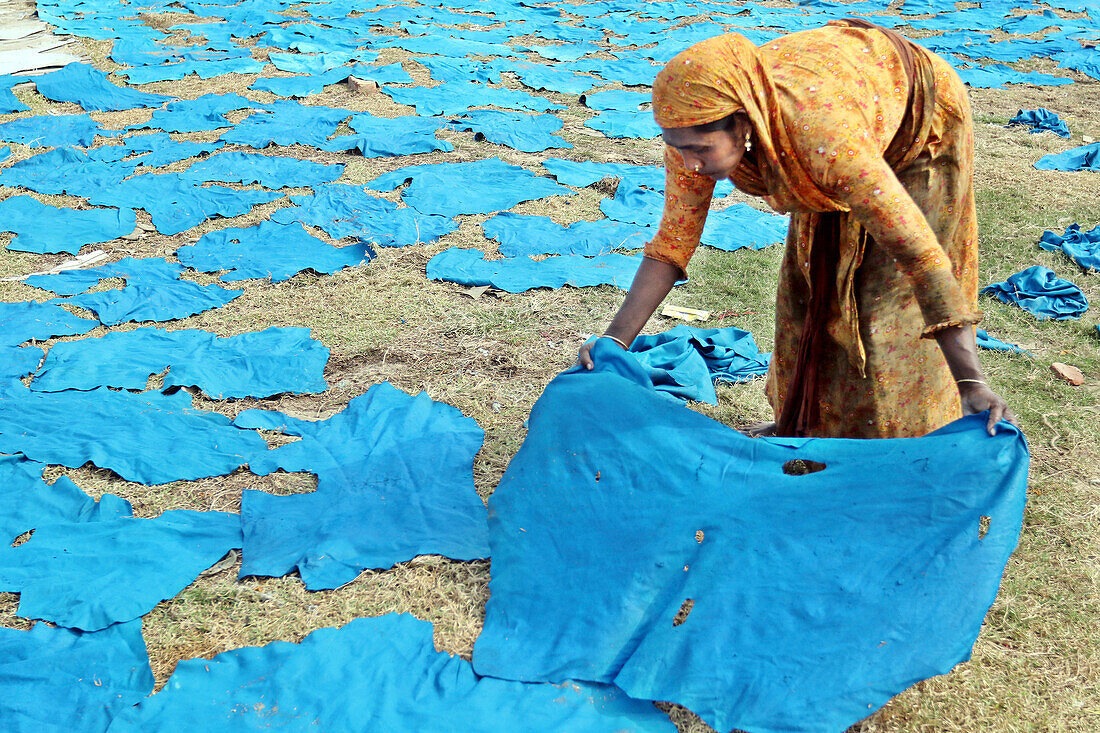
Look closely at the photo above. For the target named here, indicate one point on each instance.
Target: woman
(866, 139)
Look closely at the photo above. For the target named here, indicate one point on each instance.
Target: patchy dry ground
(1036, 665)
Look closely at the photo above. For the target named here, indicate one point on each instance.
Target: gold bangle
(617, 340)
(975, 381)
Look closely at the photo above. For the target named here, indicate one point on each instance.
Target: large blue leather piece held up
(810, 599)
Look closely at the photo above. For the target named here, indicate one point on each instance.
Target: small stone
(1068, 373)
(362, 86)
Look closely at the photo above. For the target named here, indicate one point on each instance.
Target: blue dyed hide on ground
(89, 575)
(153, 291)
(636, 203)
(203, 68)
(618, 124)
(631, 71)
(476, 187)
(997, 75)
(1085, 60)
(985, 341)
(1026, 24)
(469, 267)
(342, 210)
(287, 123)
(524, 234)
(154, 301)
(1041, 120)
(816, 597)
(564, 52)
(741, 226)
(71, 282)
(620, 100)
(259, 364)
(300, 85)
(586, 172)
(55, 680)
(529, 133)
(734, 227)
(268, 250)
(395, 480)
(66, 170)
(387, 74)
(380, 137)
(296, 63)
(1080, 246)
(444, 68)
(17, 362)
(686, 361)
(149, 438)
(51, 131)
(407, 685)
(271, 171)
(1042, 293)
(197, 115)
(439, 43)
(8, 101)
(21, 322)
(27, 501)
(1082, 158)
(175, 201)
(88, 86)
(158, 148)
(48, 229)
(452, 98)
(548, 77)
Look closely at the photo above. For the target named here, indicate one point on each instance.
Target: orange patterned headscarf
(727, 74)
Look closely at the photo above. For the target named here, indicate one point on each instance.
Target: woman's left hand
(977, 397)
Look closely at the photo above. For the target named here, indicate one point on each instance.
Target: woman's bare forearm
(651, 285)
(961, 353)
(960, 350)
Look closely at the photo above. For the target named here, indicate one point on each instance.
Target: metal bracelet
(617, 340)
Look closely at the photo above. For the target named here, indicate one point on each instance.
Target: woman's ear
(741, 130)
(740, 123)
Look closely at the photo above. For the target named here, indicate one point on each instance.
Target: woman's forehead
(682, 137)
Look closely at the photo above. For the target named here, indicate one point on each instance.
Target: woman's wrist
(961, 354)
(616, 339)
(968, 385)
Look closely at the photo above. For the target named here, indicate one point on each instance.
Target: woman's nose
(691, 162)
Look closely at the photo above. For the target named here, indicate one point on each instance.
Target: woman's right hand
(651, 284)
(584, 356)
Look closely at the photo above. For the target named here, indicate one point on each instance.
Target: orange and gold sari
(867, 141)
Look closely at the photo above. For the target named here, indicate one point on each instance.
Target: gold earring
(748, 143)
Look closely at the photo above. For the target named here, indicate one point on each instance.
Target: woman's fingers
(996, 410)
(585, 358)
(981, 397)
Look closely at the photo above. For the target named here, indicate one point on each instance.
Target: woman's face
(714, 154)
